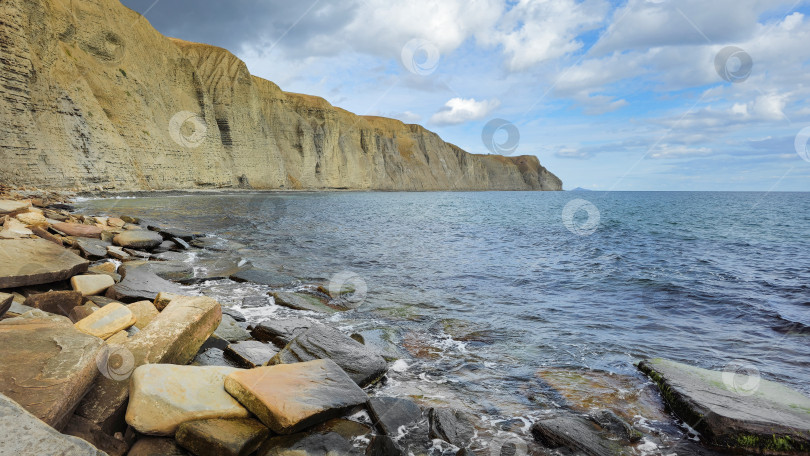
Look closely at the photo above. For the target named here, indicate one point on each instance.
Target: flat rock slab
(212, 357)
(50, 367)
(93, 249)
(11, 207)
(577, 434)
(106, 321)
(282, 331)
(390, 414)
(36, 261)
(250, 353)
(290, 398)
(333, 437)
(263, 277)
(138, 239)
(140, 284)
(363, 365)
(217, 437)
(78, 229)
(144, 312)
(451, 426)
(734, 411)
(156, 446)
(55, 302)
(230, 330)
(169, 270)
(91, 284)
(164, 396)
(23, 434)
(302, 301)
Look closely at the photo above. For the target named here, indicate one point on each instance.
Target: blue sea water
(487, 288)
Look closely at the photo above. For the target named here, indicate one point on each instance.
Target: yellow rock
(32, 218)
(91, 284)
(163, 299)
(107, 321)
(144, 312)
(118, 338)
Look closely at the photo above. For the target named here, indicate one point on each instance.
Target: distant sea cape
(93, 98)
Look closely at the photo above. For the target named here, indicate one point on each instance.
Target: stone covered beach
(106, 349)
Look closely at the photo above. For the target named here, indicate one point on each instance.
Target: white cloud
(669, 151)
(460, 110)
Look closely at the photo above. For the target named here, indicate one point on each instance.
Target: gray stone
(235, 314)
(303, 301)
(230, 330)
(577, 434)
(22, 434)
(732, 410)
(282, 331)
(156, 446)
(16, 309)
(5, 303)
(170, 256)
(383, 445)
(390, 414)
(250, 353)
(239, 437)
(252, 302)
(36, 261)
(333, 437)
(364, 366)
(212, 357)
(263, 277)
(141, 284)
(450, 425)
(92, 249)
(616, 426)
(138, 239)
(169, 270)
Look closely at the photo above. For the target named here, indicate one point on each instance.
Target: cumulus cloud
(460, 110)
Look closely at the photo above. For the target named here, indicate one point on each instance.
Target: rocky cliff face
(92, 97)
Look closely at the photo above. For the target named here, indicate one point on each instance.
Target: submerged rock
(452, 426)
(138, 239)
(363, 365)
(230, 330)
(36, 261)
(302, 301)
(282, 331)
(760, 415)
(263, 277)
(390, 414)
(290, 398)
(576, 433)
(218, 437)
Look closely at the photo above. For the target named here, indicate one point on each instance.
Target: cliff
(92, 97)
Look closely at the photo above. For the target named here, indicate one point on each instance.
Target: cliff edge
(92, 97)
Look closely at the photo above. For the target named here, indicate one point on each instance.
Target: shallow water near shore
(484, 294)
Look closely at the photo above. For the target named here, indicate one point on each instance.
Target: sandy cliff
(91, 96)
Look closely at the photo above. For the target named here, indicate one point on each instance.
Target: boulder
(289, 398)
(130, 219)
(92, 249)
(218, 437)
(452, 426)
(5, 303)
(263, 277)
(577, 434)
(282, 331)
(235, 314)
(383, 445)
(230, 330)
(138, 239)
(79, 313)
(118, 253)
(333, 437)
(11, 207)
(163, 396)
(141, 284)
(106, 268)
(156, 446)
(734, 411)
(212, 357)
(173, 337)
(85, 430)
(364, 366)
(144, 312)
(91, 284)
(36, 261)
(106, 321)
(302, 301)
(116, 222)
(250, 353)
(78, 230)
(390, 414)
(55, 302)
(23, 434)
(50, 367)
(163, 299)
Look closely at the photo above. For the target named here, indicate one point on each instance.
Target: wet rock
(383, 445)
(169, 270)
(99, 301)
(230, 330)
(118, 253)
(385, 341)
(36, 261)
(282, 331)
(252, 302)
(215, 342)
(174, 337)
(79, 313)
(138, 239)
(92, 249)
(87, 431)
(577, 434)
(289, 398)
(163, 396)
(235, 314)
(364, 366)
(216, 245)
(50, 368)
(22, 433)
(212, 357)
(156, 446)
(55, 302)
(163, 299)
(170, 256)
(732, 410)
(5, 303)
(390, 414)
(164, 247)
(11, 207)
(613, 424)
(106, 321)
(141, 284)
(302, 301)
(452, 426)
(250, 353)
(169, 233)
(144, 312)
(181, 244)
(91, 284)
(44, 234)
(263, 277)
(217, 437)
(78, 230)
(308, 444)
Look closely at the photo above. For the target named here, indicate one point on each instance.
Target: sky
(610, 95)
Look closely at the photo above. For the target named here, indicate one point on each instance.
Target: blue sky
(609, 95)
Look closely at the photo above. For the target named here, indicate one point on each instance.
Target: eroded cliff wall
(92, 97)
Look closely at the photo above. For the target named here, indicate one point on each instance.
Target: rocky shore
(105, 350)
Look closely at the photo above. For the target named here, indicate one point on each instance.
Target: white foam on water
(399, 366)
